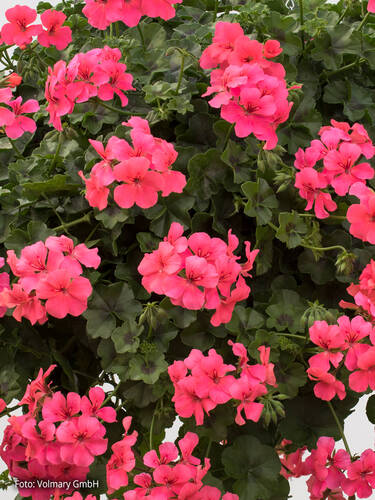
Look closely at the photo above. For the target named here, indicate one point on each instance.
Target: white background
(359, 432)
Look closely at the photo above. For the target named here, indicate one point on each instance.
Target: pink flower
(361, 476)
(246, 393)
(26, 305)
(272, 49)
(340, 164)
(159, 268)
(22, 124)
(328, 386)
(168, 453)
(224, 311)
(56, 34)
(101, 13)
(58, 408)
(92, 406)
(191, 398)
(131, 12)
(222, 44)
(331, 339)
(118, 81)
(371, 6)
(354, 331)
(159, 8)
(142, 185)
(310, 183)
(64, 294)
(96, 190)
(364, 377)
(198, 274)
(82, 440)
(18, 31)
(13, 80)
(3, 405)
(362, 216)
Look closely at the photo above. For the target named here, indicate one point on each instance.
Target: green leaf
(207, 173)
(147, 368)
(255, 467)
(261, 199)
(264, 243)
(107, 304)
(285, 311)
(125, 337)
(291, 227)
(54, 185)
(244, 319)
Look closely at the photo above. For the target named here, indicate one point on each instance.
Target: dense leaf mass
(144, 145)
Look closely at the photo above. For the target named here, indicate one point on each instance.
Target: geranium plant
(187, 220)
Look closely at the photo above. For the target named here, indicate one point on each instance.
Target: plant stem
(301, 20)
(181, 73)
(85, 218)
(275, 228)
(339, 426)
(340, 217)
(117, 110)
(152, 430)
(326, 249)
(343, 14)
(15, 148)
(344, 68)
(227, 137)
(92, 232)
(364, 21)
(142, 37)
(59, 144)
(111, 30)
(117, 28)
(216, 9)
(7, 411)
(291, 335)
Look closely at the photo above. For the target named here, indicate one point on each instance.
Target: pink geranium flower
(64, 294)
(56, 34)
(58, 408)
(371, 6)
(331, 339)
(362, 216)
(97, 191)
(191, 398)
(361, 476)
(101, 13)
(92, 406)
(222, 44)
(21, 124)
(118, 81)
(18, 31)
(341, 165)
(81, 439)
(310, 183)
(141, 185)
(327, 385)
(159, 8)
(364, 377)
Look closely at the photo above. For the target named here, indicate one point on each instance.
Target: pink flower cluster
(333, 161)
(362, 216)
(250, 89)
(342, 344)
(332, 472)
(19, 31)
(57, 439)
(49, 280)
(101, 13)
(208, 383)
(363, 293)
(174, 474)
(198, 271)
(96, 73)
(143, 170)
(12, 117)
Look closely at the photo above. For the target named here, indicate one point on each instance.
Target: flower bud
(345, 262)
(13, 80)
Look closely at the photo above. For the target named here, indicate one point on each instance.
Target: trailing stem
(339, 426)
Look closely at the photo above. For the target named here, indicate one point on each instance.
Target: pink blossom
(101, 13)
(56, 34)
(364, 377)
(331, 339)
(222, 44)
(362, 216)
(92, 406)
(327, 385)
(64, 294)
(371, 6)
(191, 398)
(361, 476)
(18, 31)
(21, 124)
(310, 183)
(141, 185)
(81, 439)
(58, 408)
